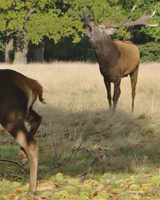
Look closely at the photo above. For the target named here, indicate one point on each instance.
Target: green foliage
(134, 187)
(62, 23)
(150, 52)
(47, 194)
(6, 188)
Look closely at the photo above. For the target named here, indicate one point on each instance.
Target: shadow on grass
(118, 140)
(70, 141)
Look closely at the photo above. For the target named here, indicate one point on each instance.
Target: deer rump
(18, 93)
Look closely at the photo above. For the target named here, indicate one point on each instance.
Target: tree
(15, 15)
(9, 49)
(61, 23)
(15, 21)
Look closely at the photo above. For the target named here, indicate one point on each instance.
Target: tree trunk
(9, 51)
(39, 53)
(20, 57)
(131, 29)
(21, 49)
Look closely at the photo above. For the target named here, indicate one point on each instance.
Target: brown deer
(117, 59)
(18, 93)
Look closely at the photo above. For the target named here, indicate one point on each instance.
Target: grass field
(121, 151)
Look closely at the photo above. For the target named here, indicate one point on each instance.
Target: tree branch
(31, 11)
(55, 156)
(3, 160)
(76, 151)
(84, 174)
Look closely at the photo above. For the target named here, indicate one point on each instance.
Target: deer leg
(22, 136)
(108, 87)
(22, 156)
(116, 93)
(134, 77)
(34, 120)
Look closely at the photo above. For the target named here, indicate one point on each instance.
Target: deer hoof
(22, 157)
(24, 162)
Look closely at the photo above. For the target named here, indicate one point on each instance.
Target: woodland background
(49, 30)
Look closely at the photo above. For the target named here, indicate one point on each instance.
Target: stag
(117, 59)
(18, 93)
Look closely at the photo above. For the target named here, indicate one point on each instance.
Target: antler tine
(104, 19)
(94, 17)
(114, 16)
(141, 21)
(149, 17)
(128, 15)
(84, 15)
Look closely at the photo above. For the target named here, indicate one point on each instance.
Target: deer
(116, 59)
(18, 93)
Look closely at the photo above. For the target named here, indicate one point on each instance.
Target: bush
(150, 52)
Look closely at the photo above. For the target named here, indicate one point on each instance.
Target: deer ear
(110, 31)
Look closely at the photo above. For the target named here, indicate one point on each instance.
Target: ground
(87, 151)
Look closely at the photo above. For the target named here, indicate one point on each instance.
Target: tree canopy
(59, 24)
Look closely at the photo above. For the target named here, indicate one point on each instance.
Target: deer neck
(107, 53)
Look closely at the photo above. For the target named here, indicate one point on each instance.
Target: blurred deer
(18, 93)
(117, 59)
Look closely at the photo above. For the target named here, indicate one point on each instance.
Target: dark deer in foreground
(18, 93)
(116, 59)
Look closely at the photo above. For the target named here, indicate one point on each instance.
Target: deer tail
(37, 88)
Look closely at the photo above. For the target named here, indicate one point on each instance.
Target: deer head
(95, 30)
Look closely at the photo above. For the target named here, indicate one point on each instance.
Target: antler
(84, 15)
(141, 21)
(104, 19)
(94, 17)
(89, 17)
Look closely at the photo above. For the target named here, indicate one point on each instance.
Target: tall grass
(79, 86)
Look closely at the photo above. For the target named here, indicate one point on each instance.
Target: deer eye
(101, 27)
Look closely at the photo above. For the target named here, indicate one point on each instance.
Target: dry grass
(70, 85)
(77, 106)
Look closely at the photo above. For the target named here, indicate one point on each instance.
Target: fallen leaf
(56, 185)
(11, 196)
(19, 191)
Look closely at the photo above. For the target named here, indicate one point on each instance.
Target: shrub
(150, 52)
